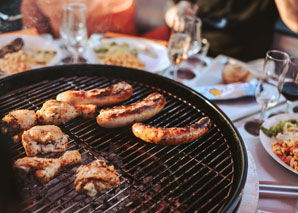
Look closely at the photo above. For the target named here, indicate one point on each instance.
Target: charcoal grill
(207, 175)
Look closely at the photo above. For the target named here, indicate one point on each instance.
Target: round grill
(207, 175)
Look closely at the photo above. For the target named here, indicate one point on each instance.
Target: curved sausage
(101, 97)
(173, 135)
(136, 112)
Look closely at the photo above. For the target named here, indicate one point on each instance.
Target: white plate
(151, 64)
(34, 43)
(266, 141)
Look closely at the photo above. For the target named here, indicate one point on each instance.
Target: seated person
(102, 15)
(240, 29)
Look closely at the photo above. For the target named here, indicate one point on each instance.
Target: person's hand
(182, 8)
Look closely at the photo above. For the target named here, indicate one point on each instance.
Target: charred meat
(96, 178)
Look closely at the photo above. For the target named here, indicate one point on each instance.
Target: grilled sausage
(100, 97)
(136, 112)
(173, 135)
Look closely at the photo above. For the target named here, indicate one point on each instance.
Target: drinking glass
(195, 25)
(179, 42)
(288, 83)
(73, 29)
(267, 91)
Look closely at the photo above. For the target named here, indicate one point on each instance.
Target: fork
(10, 18)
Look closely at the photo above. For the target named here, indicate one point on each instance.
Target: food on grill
(44, 139)
(17, 121)
(57, 112)
(119, 116)
(44, 169)
(105, 96)
(173, 135)
(119, 54)
(233, 73)
(96, 178)
(14, 46)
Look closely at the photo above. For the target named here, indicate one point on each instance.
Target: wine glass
(267, 91)
(179, 42)
(288, 83)
(195, 25)
(73, 29)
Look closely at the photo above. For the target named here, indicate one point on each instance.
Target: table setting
(266, 92)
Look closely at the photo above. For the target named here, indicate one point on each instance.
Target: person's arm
(180, 8)
(33, 18)
(288, 11)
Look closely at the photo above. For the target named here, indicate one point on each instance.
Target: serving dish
(267, 141)
(155, 60)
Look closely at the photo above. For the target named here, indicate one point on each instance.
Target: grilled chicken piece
(44, 139)
(17, 121)
(104, 96)
(96, 178)
(44, 169)
(14, 46)
(57, 112)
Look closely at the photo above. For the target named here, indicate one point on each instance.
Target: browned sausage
(136, 112)
(101, 97)
(173, 135)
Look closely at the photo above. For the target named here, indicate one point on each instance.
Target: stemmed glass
(73, 29)
(267, 92)
(288, 83)
(179, 42)
(195, 25)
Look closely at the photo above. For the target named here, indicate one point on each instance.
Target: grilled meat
(17, 121)
(96, 178)
(14, 46)
(44, 139)
(44, 169)
(105, 96)
(57, 112)
(136, 112)
(174, 135)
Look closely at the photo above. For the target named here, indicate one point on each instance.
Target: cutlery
(10, 18)
(275, 190)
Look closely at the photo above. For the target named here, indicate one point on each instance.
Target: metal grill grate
(194, 177)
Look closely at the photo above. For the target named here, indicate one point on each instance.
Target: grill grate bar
(182, 166)
(226, 186)
(57, 198)
(100, 197)
(191, 180)
(42, 189)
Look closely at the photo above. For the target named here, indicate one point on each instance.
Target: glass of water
(73, 30)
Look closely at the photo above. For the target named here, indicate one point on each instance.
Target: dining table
(269, 187)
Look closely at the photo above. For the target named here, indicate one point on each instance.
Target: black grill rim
(238, 149)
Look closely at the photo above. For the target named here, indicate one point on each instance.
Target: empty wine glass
(179, 42)
(195, 25)
(267, 92)
(288, 83)
(73, 29)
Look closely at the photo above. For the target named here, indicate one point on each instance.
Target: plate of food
(279, 136)
(130, 52)
(19, 52)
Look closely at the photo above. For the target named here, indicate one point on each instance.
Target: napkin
(30, 31)
(228, 91)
